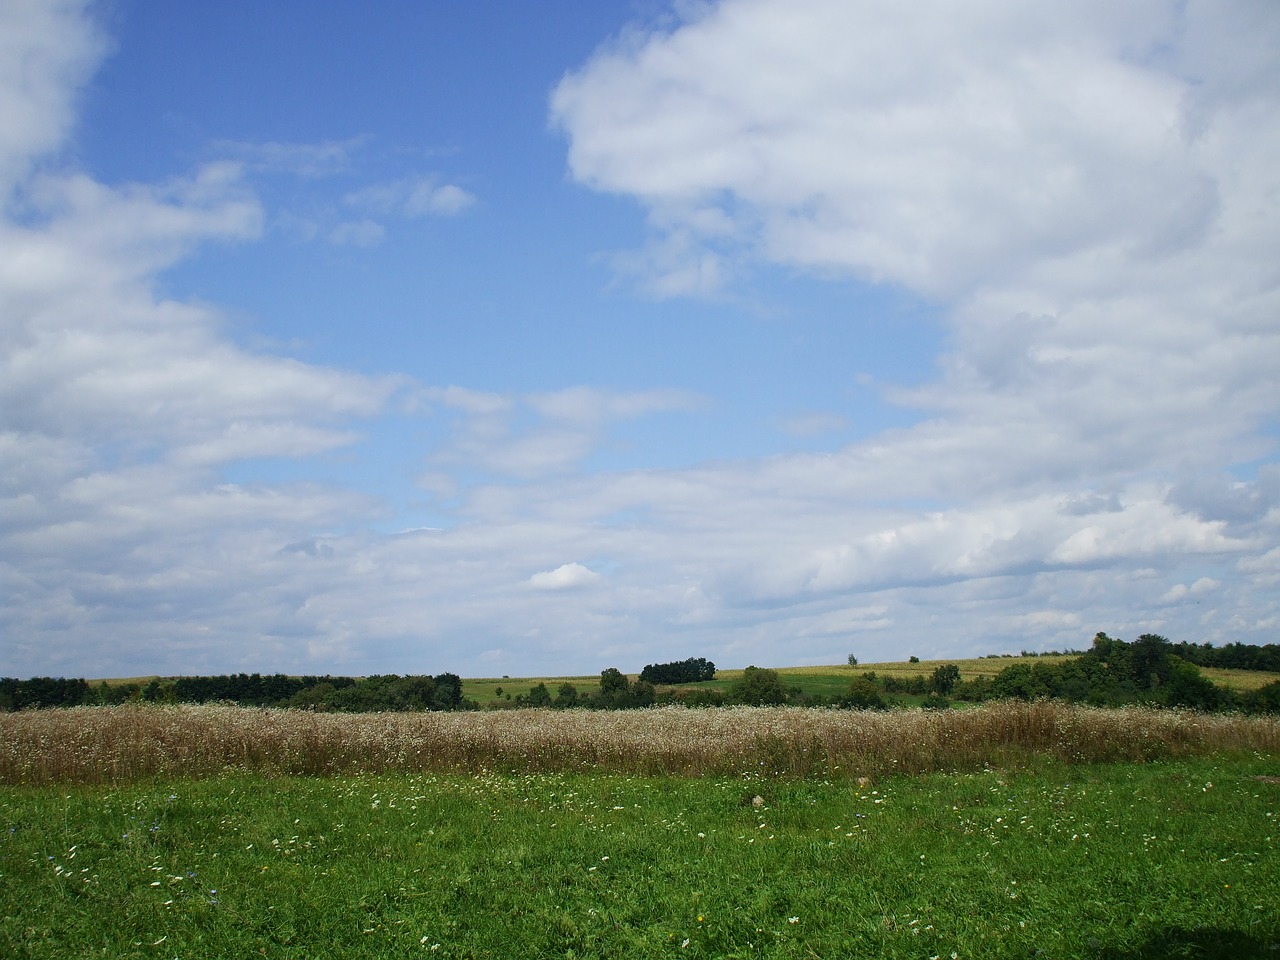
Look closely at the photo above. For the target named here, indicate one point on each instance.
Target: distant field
(834, 678)
(820, 680)
(1240, 680)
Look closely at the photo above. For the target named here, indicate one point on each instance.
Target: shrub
(864, 695)
(758, 687)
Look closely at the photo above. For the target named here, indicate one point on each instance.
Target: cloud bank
(1088, 193)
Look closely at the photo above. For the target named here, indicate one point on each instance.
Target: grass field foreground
(1117, 861)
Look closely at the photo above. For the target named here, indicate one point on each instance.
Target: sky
(522, 339)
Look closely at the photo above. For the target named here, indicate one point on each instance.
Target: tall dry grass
(118, 744)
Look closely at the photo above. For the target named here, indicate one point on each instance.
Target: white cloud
(46, 49)
(919, 145)
(412, 197)
(1082, 187)
(118, 408)
(1181, 591)
(564, 577)
(428, 199)
(311, 160)
(357, 233)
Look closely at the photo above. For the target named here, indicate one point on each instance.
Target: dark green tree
(864, 695)
(758, 686)
(539, 696)
(944, 679)
(566, 696)
(615, 689)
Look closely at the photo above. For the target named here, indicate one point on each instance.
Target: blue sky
(504, 341)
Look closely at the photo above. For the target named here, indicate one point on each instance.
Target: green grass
(1110, 861)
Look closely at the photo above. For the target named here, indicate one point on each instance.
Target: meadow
(1005, 830)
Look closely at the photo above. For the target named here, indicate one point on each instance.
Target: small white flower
(793, 919)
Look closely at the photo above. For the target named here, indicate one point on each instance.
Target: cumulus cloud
(564, 577)
(919, 146)
(1181, 591)
(1081, 188)
(117, 409)
(46, 49)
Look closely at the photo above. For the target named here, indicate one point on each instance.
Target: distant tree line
(693, 670)
(345, 694)
(1149, 670)
(42, 692)
(1232, 656)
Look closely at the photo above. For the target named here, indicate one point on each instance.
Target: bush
(758, 687)
(1264, 699)
(864, 695)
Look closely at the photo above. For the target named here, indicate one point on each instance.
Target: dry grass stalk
(119, 744)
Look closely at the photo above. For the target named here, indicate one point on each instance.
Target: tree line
(327, 693)
(1149, 670)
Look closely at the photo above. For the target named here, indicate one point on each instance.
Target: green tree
(864, 695)
(566, 696)
(642, 694)
(613, 681)
(539, 696)
(759, 687)
(615, 689)
(944, 679)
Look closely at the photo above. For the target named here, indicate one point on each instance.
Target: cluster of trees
(693, 670)
(382, 692)
(756, 686)
(615, 692)
(1232, 656)
(252, 689)
(1111, 673)
(41, 692)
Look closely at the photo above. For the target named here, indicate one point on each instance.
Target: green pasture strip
(1242, 681)
(1106, 861)
(484, 690)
